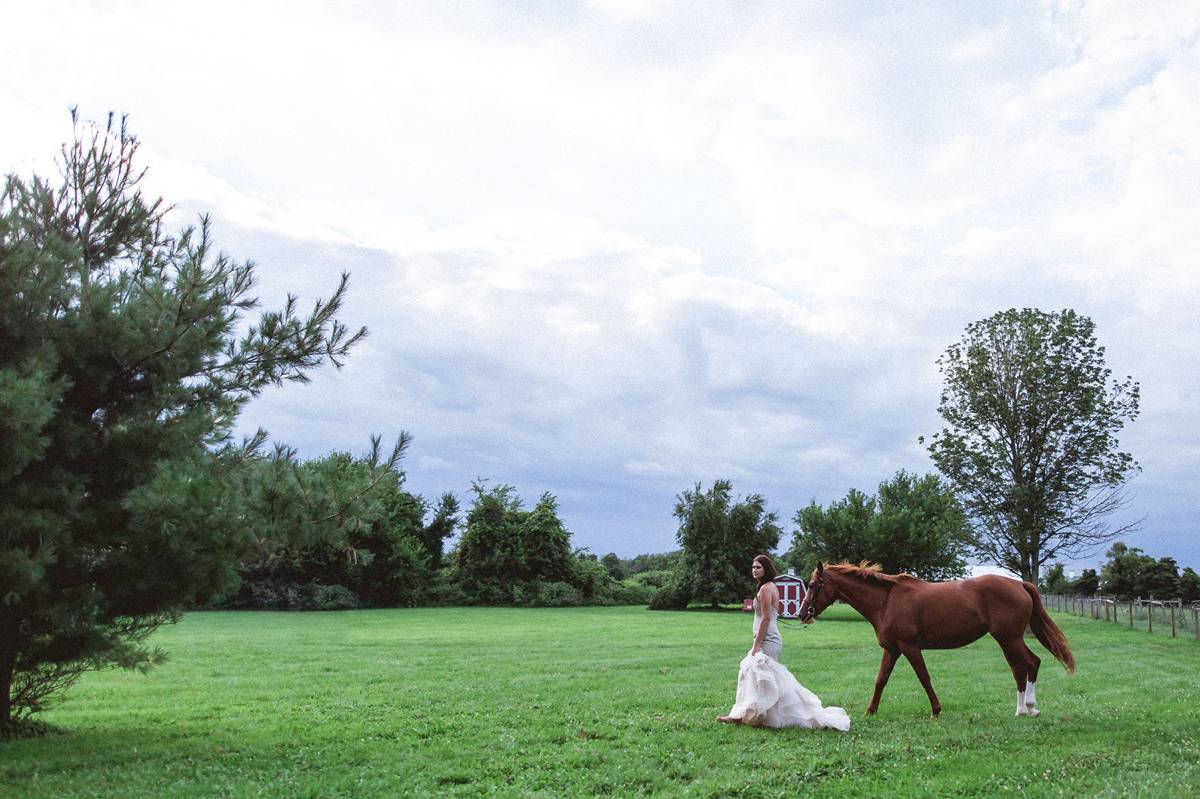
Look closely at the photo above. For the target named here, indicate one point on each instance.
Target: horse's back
(955, 613)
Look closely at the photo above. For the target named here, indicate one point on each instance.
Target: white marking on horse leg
(1031, 699)
(1022, 710)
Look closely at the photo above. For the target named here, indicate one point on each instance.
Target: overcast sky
(610, 249)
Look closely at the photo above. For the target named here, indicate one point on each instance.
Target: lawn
(593, 701)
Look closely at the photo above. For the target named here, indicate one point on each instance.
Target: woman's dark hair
(769, 570)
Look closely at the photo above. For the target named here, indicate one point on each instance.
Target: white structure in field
(791, 594)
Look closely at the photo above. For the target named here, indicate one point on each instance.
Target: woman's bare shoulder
(767, 590)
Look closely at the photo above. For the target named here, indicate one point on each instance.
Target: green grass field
(593, 701)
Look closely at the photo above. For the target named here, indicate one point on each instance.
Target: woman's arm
(768, 598)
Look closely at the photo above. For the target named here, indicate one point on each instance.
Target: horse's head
(818, 596)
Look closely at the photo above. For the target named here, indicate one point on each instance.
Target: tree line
(1128, 573)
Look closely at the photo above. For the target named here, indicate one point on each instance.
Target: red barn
(791, 594)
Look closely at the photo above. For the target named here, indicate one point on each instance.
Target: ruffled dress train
(769, 696)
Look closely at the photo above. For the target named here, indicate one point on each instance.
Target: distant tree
(1162, 579)
(1187, 587)
(125, 358)
(1030, 439)
(394, 567)
(615, 566)
(1123, 574)
(720, 537)
(337, 520)
(442, 526)
(1129, 572)
(914, 525)
(660, 561)
(504, 549)
(1055, 580)
(591, 576)
(1088, 583)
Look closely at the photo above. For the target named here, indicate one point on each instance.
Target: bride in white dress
(767, 693)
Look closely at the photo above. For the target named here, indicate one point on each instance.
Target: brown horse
(910, 615)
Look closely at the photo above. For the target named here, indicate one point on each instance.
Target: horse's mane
(870, 571)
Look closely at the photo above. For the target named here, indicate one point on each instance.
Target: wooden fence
(1152, 615)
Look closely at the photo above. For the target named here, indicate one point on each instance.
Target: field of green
(601, 701)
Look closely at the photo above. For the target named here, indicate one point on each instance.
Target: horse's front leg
(885, 671)
(918, 663)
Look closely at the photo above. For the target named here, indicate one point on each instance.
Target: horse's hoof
(1034, 712)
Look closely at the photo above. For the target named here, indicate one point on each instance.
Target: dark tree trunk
(8, 661)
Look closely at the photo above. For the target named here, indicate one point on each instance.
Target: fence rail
(1152, 615)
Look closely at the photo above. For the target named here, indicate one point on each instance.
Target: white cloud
(632, 244)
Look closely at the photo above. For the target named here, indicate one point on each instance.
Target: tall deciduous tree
(124, 362)
(720, 537)
(1030, 443)
(914, 525)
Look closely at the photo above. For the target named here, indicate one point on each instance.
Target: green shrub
(262, 595)
(631, 592)
(331, 597)
(671, 596)
(654, 578)
(591, 578)
(556, 595)
(446, 591)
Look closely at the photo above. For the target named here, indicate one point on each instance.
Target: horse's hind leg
(917, 661)
(885, 671)
(1033, 663)
(1019, 660)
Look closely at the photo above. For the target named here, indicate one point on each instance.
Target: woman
(767, 693)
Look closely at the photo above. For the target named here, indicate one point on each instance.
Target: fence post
(1150, 616)
(1196, 622)
(1172, 621)
(1131, 614)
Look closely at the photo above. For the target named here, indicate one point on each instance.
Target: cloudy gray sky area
(609, 249)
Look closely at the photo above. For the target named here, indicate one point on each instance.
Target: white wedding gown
(769, 696)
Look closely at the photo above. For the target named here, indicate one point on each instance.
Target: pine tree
(125, 359)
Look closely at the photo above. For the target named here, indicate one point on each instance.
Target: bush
(331, 597)
(556, 595)
(655, 578)
(446, 592)
(632, 592)
(263, 596)
(671, 596)
(591, 578)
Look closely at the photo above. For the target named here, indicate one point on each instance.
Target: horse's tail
(1047, 631)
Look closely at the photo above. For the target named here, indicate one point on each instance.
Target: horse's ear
(820, 567)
